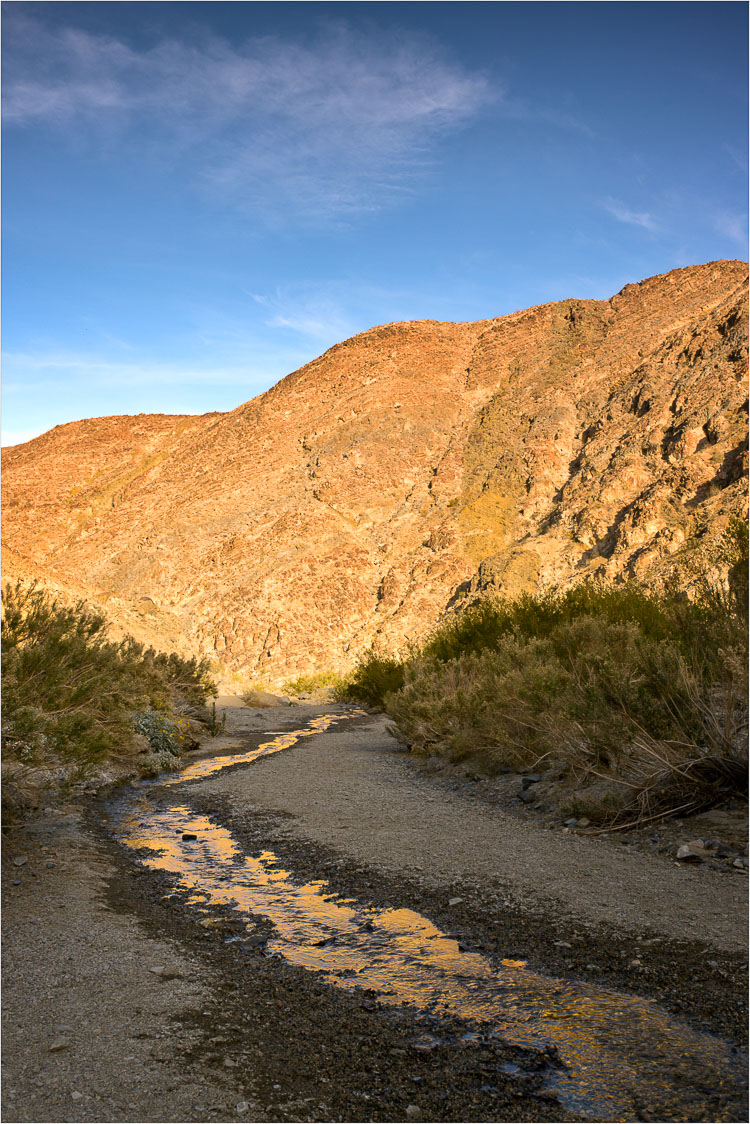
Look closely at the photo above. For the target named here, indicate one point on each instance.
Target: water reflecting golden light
(623, 1055)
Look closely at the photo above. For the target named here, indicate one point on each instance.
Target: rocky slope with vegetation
(615, 705)
(405, 469)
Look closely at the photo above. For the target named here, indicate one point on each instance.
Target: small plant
(165, 735)
(216, 726)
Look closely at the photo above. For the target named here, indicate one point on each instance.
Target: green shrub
(373, 679)
(539, 615)
(165, 735)
(314, 681)
(73, 698)
(640, 694)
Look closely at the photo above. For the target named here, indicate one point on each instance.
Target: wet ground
(602, 1053)
(308, 982)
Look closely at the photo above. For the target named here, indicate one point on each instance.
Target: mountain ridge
(411, 465)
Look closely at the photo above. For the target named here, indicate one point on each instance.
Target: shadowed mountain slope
(406, 467)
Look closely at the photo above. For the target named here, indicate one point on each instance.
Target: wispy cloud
(336, 126)
(737, 156)
(524, 109)
(314, 316)
(732, 226)
(632, 218)
(25, 371)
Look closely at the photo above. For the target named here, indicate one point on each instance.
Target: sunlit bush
(641, 692)
(73, 698)
(312, 682)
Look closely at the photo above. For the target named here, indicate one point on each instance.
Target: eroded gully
(620, 1057)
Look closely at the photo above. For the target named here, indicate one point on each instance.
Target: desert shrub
(73, 698)
(259, 695)
(314, 681)
(169, 677)
(640, 693)
(597, 698)
(483, 704)
(373, 679)
(540, 615)
(69, 693)
(167, 735)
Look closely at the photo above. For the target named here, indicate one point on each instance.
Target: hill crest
(400, 470)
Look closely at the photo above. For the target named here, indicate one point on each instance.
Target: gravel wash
(91, 1031)
(223, 1032)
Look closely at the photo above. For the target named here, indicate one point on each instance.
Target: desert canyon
(402, 472)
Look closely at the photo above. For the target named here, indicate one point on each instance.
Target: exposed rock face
(357, 498)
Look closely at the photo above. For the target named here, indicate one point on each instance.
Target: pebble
(414, 1112)
(165, 973)
(76, 1096)
(241, 1107)
(58, 1044)
(20, 860)
(455, 901)
(230, 1063)
(425, 1042)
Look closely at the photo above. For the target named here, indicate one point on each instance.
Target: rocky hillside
(405, 468)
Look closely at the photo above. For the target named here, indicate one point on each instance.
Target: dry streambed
(382, 948)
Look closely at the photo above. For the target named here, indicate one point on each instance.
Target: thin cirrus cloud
(338, 126)
(732, 226)
(632, 218)
(43, 371)
(320, 319)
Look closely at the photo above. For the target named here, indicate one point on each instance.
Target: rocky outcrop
(403, 469)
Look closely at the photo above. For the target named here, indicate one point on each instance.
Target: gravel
(164, 1021)
(72, 962)
(353, 789)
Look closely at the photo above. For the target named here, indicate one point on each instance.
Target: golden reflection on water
(284, 740)
(623, 1055)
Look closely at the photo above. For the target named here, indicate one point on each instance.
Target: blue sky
(199, 198)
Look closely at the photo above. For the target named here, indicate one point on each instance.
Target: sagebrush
(639, 694)
(74, 698)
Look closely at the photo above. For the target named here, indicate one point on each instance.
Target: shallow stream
(623, 1058)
